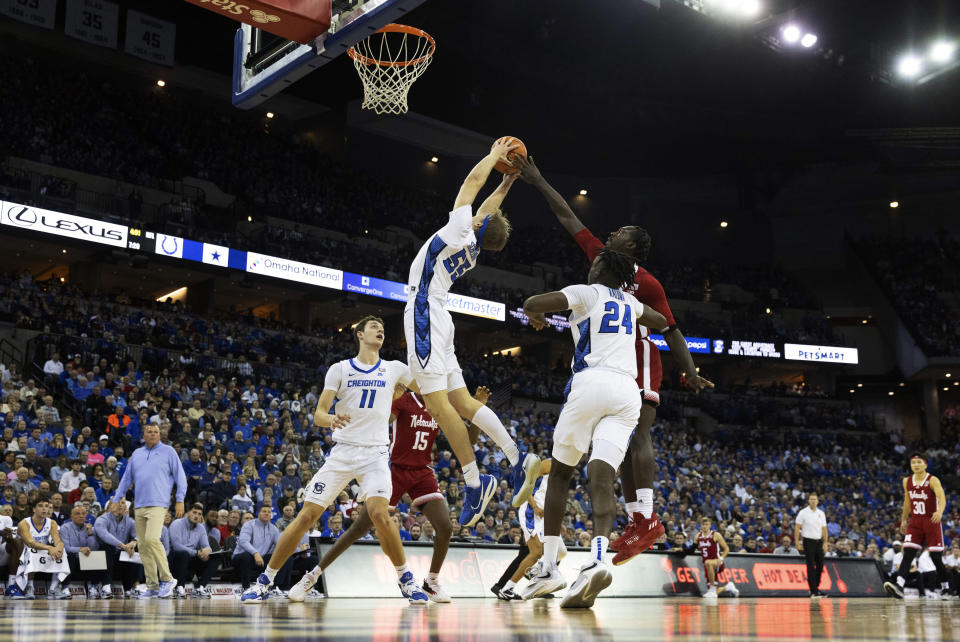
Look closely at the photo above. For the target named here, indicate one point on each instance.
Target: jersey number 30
(919, 508)
(611, 323)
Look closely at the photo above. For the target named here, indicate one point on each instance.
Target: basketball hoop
(389, 61)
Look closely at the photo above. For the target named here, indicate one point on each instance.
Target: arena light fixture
(161, 83)
(249, 219)
(63, 251)
(791, 34)
(583, 192)
(890, 393)
(808, 40)
(769, 310)
(894, 204)
(859, 385)
(943, 51)
(910, 66)
(852, 391)
(724, 224)
(269, 114)
(945, 389)
(434, 159)
(902, 384)
(948, 375)
(175, 294)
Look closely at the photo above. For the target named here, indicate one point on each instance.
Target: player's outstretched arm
(678, 346)
(492, 203)
(481, 171)
(539, 304)
(531, 174)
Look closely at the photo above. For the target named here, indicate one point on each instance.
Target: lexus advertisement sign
(71, 226)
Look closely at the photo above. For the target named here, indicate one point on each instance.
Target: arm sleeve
(244, 541)
(333, 378)
(105, 535)
(124, 485)
(580, 298)
(589, 243)
(458, 232)
(181, 475)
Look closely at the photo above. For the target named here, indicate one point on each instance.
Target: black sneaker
(508, 595)
(495, 589)
(892, 588)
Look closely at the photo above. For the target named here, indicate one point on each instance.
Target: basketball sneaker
(62, 593)
(106, 592)
(13, 592)
(548, 581)
(410, 590)
(180, 593)
(298, 592)
(93, 593)
(30, 593)
(711, 592)
(166, 589)
(435, 592)
(525, 474)
(508, 595)
(593, 578)
(732, 589)
(894, 589)
(202, 593)
(645, 532)
(534, 570)
(259, 591)
(476, 500)
(145, 595)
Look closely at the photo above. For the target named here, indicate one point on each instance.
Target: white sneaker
(314, 594)
(548, 581)
(435, 592)
(298, 592)
(62, 593)
(732, 589)
(711, 592)
(933, 595)
(106, 592)
(534, 570)
(592, 579)
(93, 593)
(181, 592)
(277, 592)
(201, 592)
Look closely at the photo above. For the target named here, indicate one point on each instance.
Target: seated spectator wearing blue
(257, 540)
(105, 491)
(291, 478)
(79, 538)
(190, 553)
(237, 445)
(208, 476)
(269, 467)
(36, 441)
(220, 492)
(334, 527)
(117, 532)
(404, 533)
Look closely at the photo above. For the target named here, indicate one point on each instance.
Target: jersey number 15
(611, 323)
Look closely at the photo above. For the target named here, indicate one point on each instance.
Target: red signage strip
(299, 20)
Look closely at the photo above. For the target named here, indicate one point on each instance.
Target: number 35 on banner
(93, 21)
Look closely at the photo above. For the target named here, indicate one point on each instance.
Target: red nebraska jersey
(709, 549)
(646, 288)
(414, 432)
(923, 503)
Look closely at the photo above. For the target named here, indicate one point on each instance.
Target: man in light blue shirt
(190, 552)
(117, 532)
(256, 542)
(79, 538)
(153, 470)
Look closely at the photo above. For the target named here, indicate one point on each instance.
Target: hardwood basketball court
(475, 619)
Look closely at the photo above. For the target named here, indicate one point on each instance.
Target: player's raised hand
(528, 169)
(537, 320)
(340, 420)
(482, 394)
(698, 383)
(501, 148)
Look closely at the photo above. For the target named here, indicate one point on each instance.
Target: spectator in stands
(116, 533)
(71, 480)
(22, 483)
(79, 538)
(241, 501)
(786, 547)
(334, 527)
(190, 553)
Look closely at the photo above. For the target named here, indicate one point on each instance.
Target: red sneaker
(628, 531)
(645, 533)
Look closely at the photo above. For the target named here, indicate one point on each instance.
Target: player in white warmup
(43, 552)
(601, 407)
(363, 387)
(429, 331)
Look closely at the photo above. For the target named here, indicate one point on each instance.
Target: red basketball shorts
(923, 532)
(420, 483)
(649, 371)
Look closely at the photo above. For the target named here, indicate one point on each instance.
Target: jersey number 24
(611, 323)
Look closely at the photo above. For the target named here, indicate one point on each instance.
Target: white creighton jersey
(445, 257)
(603, 322)
(540, 495)
(41, 536)
(366, 394)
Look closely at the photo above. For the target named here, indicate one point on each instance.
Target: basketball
(519, 152)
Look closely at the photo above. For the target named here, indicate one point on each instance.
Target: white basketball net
(389, 61)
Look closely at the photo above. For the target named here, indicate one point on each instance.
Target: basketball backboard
(264, 64)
